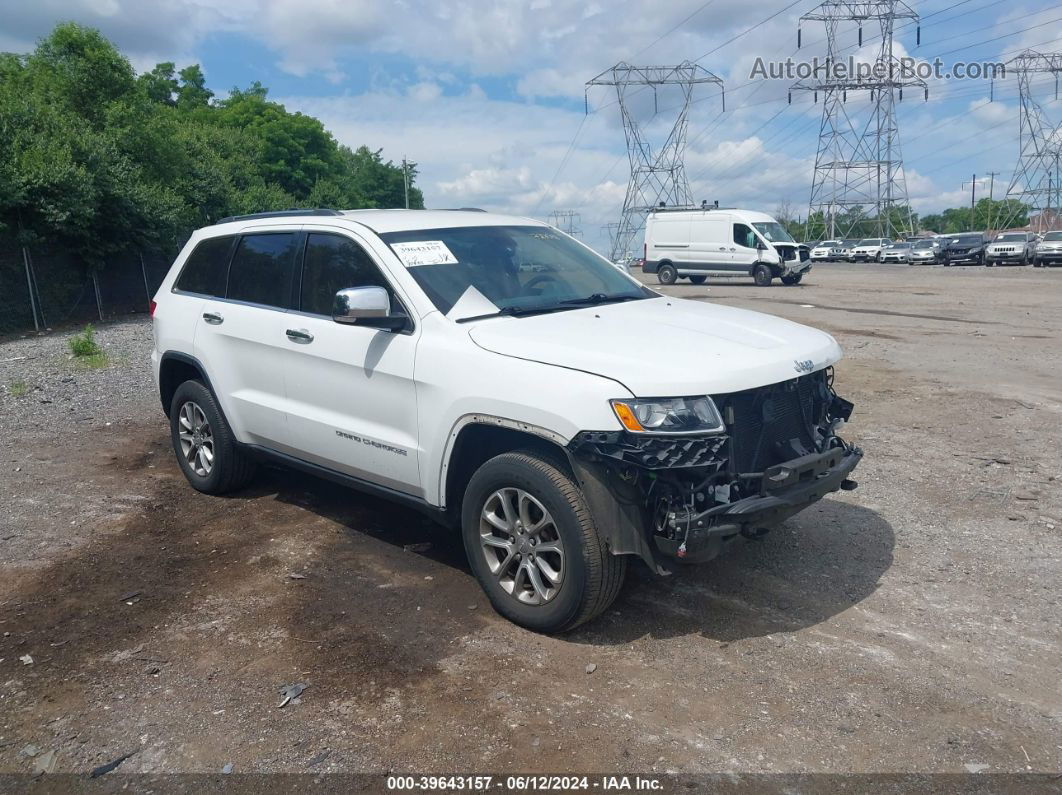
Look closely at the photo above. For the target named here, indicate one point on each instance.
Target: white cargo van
(696, 243)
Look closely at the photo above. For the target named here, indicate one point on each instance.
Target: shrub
(84, 344)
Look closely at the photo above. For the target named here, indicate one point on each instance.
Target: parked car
(413, 355)
(1011, 247)
(844, 250)
(925, 251)
(825, 251)
(896, 252)
(696, 243)
(868, 249)
(965, 248)
(1049, 250)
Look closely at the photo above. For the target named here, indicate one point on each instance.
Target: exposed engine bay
(779, 452)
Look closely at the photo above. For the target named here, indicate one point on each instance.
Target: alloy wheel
(522, 546)
(197, 440)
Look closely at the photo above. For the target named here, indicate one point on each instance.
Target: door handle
(213, 318)
(299, 335)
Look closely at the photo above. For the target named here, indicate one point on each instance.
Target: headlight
(668, 415)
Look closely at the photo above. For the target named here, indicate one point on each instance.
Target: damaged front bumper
(681, 497)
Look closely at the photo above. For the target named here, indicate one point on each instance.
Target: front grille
(776, 423)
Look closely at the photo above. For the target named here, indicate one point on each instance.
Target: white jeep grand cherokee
(503, 378)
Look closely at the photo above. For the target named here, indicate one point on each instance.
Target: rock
(976, 767)
(45, 763)
(227, 768)
(26, 659)
(591, 667)
(1026, 496)
(29, 751)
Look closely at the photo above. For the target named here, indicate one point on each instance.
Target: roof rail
(464, 210)
(277, 214)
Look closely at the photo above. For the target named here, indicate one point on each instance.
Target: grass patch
(18, 389)
(84, 345)
(95, 361)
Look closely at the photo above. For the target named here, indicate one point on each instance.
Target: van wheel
(206, 449)
(698, 279)
(791, 280)
(667, 274)
(533, 545)
(762, 275)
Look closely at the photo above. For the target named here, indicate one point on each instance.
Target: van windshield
(508, 270)
(773, 231)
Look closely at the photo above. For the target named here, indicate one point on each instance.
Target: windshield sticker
(424, 252)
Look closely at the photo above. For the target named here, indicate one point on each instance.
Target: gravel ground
(911, 625)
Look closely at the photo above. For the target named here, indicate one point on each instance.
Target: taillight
(151, 308)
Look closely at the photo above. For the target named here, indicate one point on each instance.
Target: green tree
(193, 92)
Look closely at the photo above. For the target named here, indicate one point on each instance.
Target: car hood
(664, 347)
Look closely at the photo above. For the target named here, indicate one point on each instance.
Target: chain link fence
(44, 287)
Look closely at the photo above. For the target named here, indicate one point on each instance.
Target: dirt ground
(910, 625)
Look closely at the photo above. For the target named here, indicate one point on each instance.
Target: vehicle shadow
(815, 566)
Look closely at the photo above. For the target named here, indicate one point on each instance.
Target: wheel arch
(476, 438)
(174, 369)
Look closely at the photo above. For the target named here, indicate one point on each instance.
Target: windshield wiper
(600, 298)
(514, 311)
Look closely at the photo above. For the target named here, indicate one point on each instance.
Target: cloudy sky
(488, 95)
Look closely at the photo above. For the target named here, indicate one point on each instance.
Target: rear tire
(698, 279)
(762, 275)
(667, 274)
(206, 449)
(790, 281)
(539, 494)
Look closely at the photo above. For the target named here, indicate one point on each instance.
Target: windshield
(967, 240)
(513, 268)
(1011, 238)
(924, 244)
(870, 241)
(773, 231)
(900, 245)
(827, 244)
(1053, 236)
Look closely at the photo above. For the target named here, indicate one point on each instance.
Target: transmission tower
(658, 174)
(1036, 179)
(858, 164)
(566, 220)
(610, 229)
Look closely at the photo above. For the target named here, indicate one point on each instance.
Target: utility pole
(657, 177)
(991, 197)
(858, 161)
(973, 192)
(405, 180)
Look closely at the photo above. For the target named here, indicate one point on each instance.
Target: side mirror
(761, 245)
(366, 306)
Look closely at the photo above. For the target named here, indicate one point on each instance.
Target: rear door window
(206, 267)
(262, 269)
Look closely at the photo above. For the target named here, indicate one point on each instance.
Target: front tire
(206, 448)
(533, 545)
(762, 275)
(667, 274)
(792, 280)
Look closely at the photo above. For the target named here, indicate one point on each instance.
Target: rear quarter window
(206, 268)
